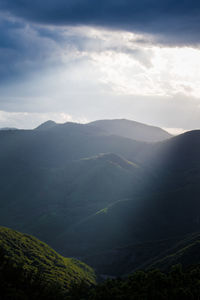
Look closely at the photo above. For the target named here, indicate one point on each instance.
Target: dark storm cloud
(26, 48)
(31, 32)
(173, 21)
(33, 39)
(21, 49)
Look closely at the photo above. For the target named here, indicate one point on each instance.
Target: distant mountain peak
(46, 125)
(119, 127)
(132, 130)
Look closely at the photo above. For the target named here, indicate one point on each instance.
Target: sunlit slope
(133, 130)
(27, 263)
(170, 208)
(107, 228)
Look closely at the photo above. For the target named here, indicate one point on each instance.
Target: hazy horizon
(173, 131)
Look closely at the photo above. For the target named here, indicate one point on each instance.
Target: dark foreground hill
(29, 269)
(159, 254)
(151, 285)
(173, 274)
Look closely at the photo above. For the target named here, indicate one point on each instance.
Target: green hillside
(30, 268)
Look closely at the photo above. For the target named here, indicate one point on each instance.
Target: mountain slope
(62, 143)
(166, 207)
(49, 202)
(56, 185)
(46, 125)
(159, 254)
(133, 130)
(185, 252)
(31, 267)
(160, 212)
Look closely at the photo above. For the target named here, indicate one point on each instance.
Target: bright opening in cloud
(91, 73)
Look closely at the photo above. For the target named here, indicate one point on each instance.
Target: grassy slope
(33, 256)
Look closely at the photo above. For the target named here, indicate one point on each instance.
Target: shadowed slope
(49, 202)
(185, 252)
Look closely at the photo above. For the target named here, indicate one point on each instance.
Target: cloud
(90, 72)
(26, 48)
(151, 71)
(23, 49)
(176, 114)
(172, 21)
(27, 120)
(175, 131)
(98, 59)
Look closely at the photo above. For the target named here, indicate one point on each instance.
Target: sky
(82, 60)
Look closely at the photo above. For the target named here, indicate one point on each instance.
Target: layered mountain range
(108, 189)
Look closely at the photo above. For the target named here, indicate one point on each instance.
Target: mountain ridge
(132, 129)
(121, 127)
(83, 190)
